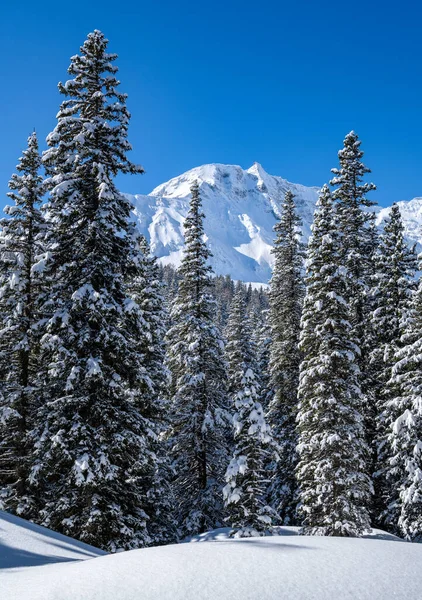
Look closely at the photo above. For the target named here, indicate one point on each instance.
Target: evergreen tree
(358, 235)
(240, 349)
(94, 448)
(148, 316)
(354, 223)
(335, 490)
(286, 298)
(358, 250)
(402, 419)
(198, 395)
(394, 284)
(358, 247)
(246, 480)
(21, 244)
(146, 291)
(263, 360)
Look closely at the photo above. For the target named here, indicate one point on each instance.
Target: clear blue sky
(232, 81)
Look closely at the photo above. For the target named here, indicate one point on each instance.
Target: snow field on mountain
(241, 208)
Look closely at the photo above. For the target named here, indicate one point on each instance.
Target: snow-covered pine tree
(146, 290)
(246, 478)
(394, 284)
(335, 491)
(402, 419)
(150, 318)
(198, 431)
(368, 343)
(354, 223)
(263, 360)
(359, 239)
(93, 440)
(21, 243)
(240, 348)
(286, 299)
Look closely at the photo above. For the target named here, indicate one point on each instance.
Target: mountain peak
(241, 208)
(258, 170)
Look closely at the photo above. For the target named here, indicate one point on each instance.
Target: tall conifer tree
(246, 477)
(148, 316)
(93, 442)
(335, 490)
(358, 248)
(286, 299)
(358, 235)
(198, 394)
(354, 222)
(401, 418)
(394, 284)
(21, 244)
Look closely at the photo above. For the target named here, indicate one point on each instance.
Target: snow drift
(23, 544)
(211, 566)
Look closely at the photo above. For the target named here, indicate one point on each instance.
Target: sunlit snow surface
(23, 544)
(211, 567)
(241, 208)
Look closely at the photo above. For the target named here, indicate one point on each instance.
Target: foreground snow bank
(212, 566)
(23, 544)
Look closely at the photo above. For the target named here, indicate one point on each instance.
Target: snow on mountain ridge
(411, 212)
(241, 208)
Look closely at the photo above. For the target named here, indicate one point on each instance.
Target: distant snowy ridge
(411, 212)
(241, 208)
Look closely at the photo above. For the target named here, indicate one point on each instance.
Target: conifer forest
(141, 404)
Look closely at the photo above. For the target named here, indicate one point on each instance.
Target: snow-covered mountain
(411, 212)
(241, 208)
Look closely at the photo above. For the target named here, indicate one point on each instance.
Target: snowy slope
(285, 566)
(23, 544)
(411, 212)
(241, 208)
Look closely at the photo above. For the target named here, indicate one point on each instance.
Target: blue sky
(232, 81)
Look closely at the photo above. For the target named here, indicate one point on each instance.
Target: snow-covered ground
(241, 207)
(23, 544)
(41, 565)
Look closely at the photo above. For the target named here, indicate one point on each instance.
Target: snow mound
(223, 534)
(213, 566)
(23, 544)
